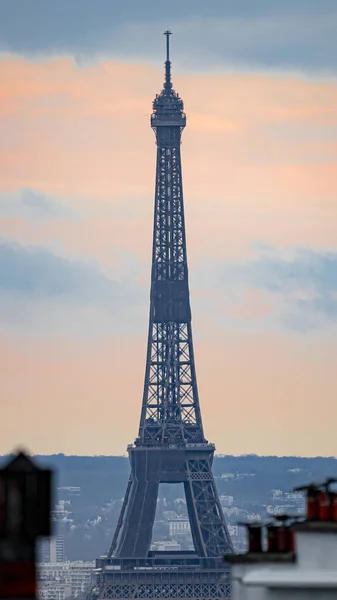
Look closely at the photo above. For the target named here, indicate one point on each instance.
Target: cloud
(38, 271)
(295, 288)
(30, 204)
(221, 34)
(46, 294)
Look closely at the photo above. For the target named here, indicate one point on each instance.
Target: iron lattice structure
(170, 446)
(155, 579)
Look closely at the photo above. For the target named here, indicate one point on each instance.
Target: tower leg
(120, 520)
(136, 532)
(208, 527)
(139, 508)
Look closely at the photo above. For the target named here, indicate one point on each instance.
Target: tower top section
(168, 107)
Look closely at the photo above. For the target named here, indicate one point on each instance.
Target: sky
(77, 166)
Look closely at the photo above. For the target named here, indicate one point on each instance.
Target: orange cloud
(253, 306)
(72, 396)
(95, 121)
(257, 165)
(83, 134)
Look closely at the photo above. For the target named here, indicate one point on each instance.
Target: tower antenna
(167, 84)
(167, 33)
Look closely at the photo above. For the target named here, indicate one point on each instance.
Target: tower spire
(167, 84)
(168, 107)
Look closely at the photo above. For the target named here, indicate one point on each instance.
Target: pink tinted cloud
(83, 135)
(79, 130)
(280, 385)
(254, 305)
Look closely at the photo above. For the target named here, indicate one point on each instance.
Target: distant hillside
(103, 478)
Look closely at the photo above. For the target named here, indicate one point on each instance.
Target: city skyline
(259, 158)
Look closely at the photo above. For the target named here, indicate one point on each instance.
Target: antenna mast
(167, 83)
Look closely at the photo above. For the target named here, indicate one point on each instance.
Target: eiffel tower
(171, 446)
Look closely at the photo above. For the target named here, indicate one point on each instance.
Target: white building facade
(310, 573)
(64, 580)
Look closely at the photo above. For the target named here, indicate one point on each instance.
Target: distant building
(68, 493)
(233, 530)
(50, 550)
(61, 512)
(281, 509)
(166, 546)
(226, 500)
(234, 511)
(61, 581)
(80, 576)
(297, 497)
(180, 501)
(253, 517)
(170, 515)
(54, 589)
(53, 581)
(178, 527)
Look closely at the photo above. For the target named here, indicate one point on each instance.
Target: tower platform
(163, 575)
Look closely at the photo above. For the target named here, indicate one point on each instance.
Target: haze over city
(77, 167)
